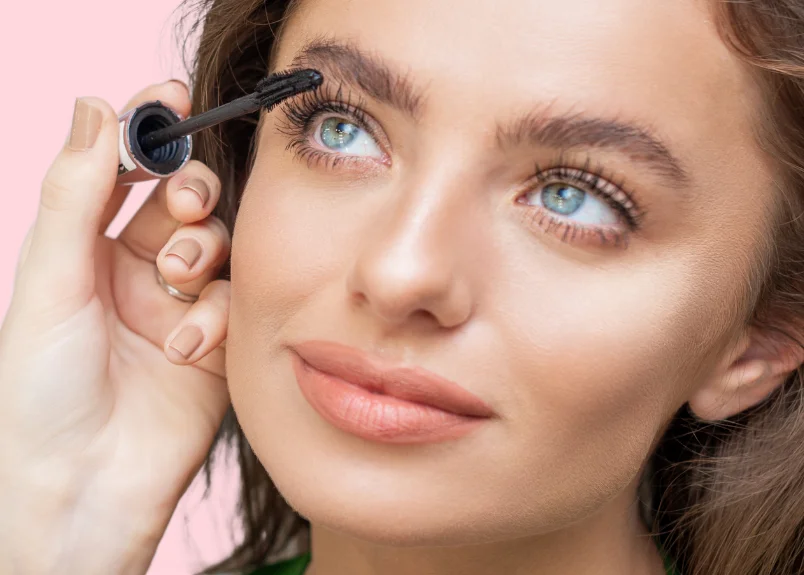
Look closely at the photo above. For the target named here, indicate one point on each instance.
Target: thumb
(76, 188)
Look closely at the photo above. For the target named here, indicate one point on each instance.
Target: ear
(762, 361)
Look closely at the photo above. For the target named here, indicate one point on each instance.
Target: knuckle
(212, 309)
(62, 185)
(217, 293)
(208, 312)
(219, 228)
(219, 307)
(56, 195)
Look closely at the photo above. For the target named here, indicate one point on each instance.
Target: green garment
(297, 566)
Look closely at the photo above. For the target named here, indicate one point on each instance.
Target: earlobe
(766, 361)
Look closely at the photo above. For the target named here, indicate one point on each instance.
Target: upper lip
(409, 383)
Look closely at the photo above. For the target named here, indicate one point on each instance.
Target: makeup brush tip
(315, 77)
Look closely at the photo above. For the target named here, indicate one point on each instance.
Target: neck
(613, 541)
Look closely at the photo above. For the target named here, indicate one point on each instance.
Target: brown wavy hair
(724, 498)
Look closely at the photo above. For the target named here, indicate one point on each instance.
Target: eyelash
(589, 177)
(299, 119)
(301, 113)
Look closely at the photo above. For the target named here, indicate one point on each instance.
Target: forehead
(626, 52)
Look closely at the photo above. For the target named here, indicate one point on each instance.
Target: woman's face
(551, 204)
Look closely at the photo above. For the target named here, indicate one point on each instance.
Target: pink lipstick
(383, 401)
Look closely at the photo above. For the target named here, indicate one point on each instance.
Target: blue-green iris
(338, 134)
(562, 198)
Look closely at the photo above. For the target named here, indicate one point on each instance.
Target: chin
(394, 525)
(405, 516)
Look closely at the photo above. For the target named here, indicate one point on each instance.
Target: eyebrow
(579, 131)
(346, 64)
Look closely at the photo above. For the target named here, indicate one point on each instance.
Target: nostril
(423, 315)
(359, 299)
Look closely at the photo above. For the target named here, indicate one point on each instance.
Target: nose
(413, 265)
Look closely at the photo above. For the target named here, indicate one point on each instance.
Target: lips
(407, 383)
(382, 401)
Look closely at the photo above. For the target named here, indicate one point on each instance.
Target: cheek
(284, 250)
(293, 243)
(602, 362)
(283, 256)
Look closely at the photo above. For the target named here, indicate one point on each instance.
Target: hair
(726, 497)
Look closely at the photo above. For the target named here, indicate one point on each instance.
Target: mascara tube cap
(137, 165)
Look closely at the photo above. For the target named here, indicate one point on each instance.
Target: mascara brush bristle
(277, 87)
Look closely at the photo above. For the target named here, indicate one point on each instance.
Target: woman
(564, 241)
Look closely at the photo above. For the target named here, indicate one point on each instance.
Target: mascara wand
(269, 92)
(155, 142)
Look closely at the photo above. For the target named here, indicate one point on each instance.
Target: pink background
(50, 53)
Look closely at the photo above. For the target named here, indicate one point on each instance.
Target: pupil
(336, 133)
(562, 198)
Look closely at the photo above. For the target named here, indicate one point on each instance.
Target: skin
(584, 351)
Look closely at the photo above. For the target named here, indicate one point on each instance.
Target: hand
(103, 423)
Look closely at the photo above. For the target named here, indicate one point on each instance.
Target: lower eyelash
(570, 232)
(317, 158)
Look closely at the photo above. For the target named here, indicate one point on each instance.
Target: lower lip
(376, 417)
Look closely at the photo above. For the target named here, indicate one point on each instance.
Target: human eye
(580, 205)
(341, 135)
(331, 131)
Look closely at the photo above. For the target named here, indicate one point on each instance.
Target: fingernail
(197, 187)
(187, 340)
(187, 249)
(86, 125)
